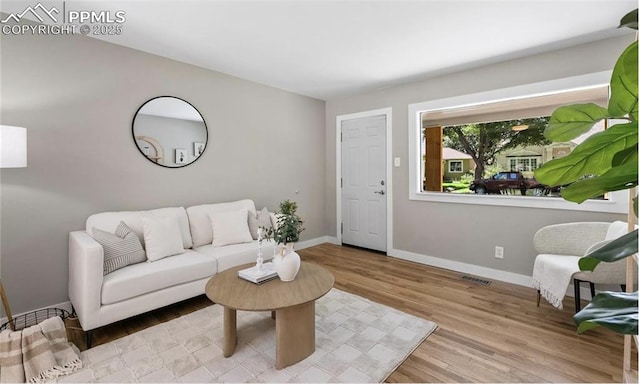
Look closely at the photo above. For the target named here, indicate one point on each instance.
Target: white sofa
(103, 299)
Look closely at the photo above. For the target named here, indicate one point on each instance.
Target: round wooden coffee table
(293, 304)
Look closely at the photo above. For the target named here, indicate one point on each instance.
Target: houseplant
(286, 231)
(606, 161)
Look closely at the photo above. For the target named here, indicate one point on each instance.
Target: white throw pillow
(230, 228)
(162, 237)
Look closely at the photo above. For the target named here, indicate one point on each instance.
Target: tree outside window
(483, 141)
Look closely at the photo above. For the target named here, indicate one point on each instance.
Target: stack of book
(256, 276)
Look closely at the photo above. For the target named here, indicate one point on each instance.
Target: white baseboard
(458, 266)
(490, 273)
(333, 240)
(65, 305)
(316, 241)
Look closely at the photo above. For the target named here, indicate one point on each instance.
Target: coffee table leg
(295, 334)
(230, 334)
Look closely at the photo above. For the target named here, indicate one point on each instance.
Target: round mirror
(169, 132)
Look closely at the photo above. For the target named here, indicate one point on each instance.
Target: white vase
(287, 263)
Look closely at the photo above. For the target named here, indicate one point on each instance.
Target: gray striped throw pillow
(120, 249)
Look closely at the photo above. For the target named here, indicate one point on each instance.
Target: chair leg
(592, 287)
(538, 299)
(576, 293)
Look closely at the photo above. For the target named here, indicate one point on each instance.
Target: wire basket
(32, 318)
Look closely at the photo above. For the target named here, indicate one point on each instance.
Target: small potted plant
(286, 231)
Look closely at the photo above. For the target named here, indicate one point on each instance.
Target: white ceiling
(328, 49)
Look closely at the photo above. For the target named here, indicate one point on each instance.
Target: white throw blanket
(37, 354)
(552, 275)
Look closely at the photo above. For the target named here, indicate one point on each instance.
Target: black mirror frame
(133, 134)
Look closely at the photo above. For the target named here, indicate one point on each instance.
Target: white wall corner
(333, 240)
(313, 242)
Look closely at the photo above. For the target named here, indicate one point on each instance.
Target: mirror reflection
(170, 132)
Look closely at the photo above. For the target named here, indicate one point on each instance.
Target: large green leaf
(593, 157)
(618, 249)
(624, 84)
(624, 156)
(615, 179)
(568, 122)
(630, 20)
(617, 311)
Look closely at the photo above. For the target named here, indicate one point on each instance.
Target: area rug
(357, 341)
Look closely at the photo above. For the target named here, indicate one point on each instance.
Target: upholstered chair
(559, 248)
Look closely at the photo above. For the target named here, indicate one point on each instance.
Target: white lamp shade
(13, 147)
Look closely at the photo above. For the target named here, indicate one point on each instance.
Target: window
(455, 166)
(501, 134)
(523, 164)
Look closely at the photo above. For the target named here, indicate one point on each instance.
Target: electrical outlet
(499, 252)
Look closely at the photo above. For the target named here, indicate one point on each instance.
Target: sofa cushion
(139, 279)
(230, 228)
(200, 223)
(108, 221)
(233, 255)
(120, 249)
(262, 219)
(162, 237)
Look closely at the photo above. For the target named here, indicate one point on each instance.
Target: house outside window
(456, 166)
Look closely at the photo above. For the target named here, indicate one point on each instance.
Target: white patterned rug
(357, 340)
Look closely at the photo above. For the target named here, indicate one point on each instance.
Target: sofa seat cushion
(233, 255)
(139, 279)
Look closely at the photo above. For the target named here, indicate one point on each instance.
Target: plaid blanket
(37, 354)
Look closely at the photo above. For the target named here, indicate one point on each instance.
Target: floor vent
(476, 280)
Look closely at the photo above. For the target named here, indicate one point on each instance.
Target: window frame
(457, 162)
(617, 202)
(530, 159)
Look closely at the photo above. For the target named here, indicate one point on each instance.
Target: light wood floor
(486, 333)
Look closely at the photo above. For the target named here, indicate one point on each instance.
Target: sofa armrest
(85, 276)
(570, 238)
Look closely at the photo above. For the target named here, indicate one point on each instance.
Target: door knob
(380, 192)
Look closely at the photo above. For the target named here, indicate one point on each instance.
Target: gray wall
(462, 232)
(77, 97)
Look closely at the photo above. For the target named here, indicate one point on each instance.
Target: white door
(364, 191)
